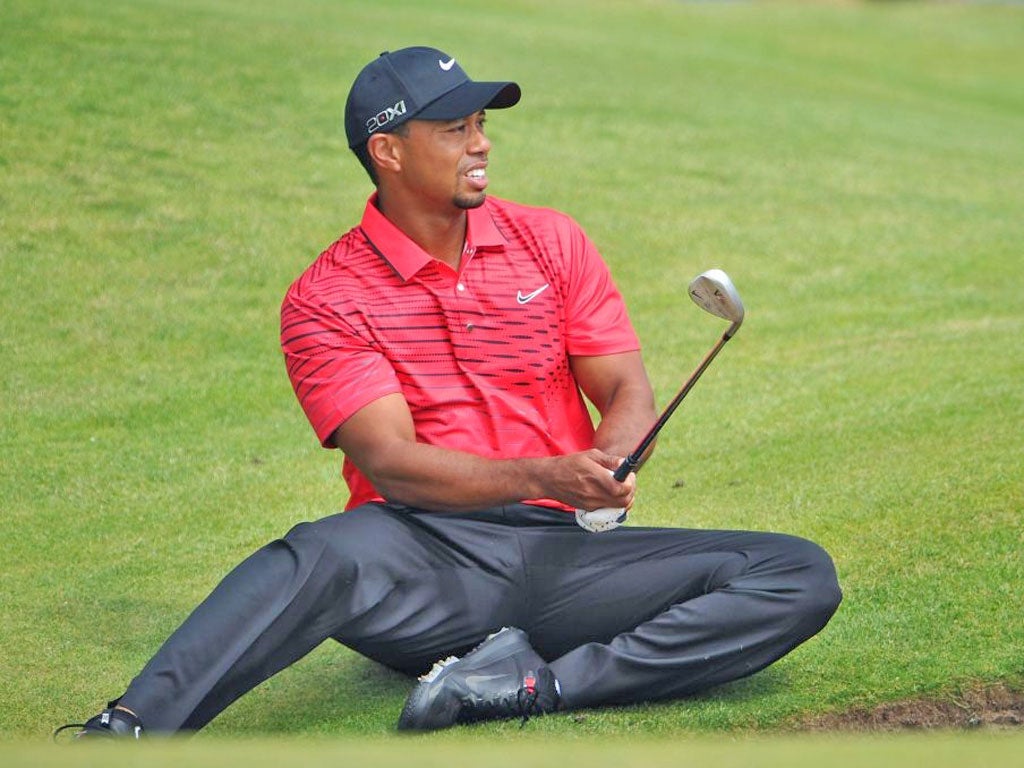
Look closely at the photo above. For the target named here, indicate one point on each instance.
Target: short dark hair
(363, 154)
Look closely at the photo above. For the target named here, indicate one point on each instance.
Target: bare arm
(380, 440)
(618, 386)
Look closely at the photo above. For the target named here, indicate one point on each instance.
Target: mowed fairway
(167, 168)
(934, 751)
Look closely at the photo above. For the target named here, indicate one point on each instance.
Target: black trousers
(635, 614)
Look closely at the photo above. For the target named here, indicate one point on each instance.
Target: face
(445, 162)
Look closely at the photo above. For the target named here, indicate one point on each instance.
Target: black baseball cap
(418, 82)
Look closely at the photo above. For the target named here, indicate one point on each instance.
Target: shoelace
(523, 703)
(94, 728)
(527, 698)
(99, 731)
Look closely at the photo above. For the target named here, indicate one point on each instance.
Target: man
(445, 345)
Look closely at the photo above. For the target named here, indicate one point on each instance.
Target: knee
(820, 591)
(307, 540)
(352, 540)
(346, 556)
(344, 528)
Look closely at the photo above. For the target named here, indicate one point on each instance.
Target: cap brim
(470, 97)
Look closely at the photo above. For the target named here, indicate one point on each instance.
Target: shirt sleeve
(333, 369)
(597, 320)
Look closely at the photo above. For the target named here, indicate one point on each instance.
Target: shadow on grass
(334, 691)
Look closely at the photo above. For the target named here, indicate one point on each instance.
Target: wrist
(530, 478)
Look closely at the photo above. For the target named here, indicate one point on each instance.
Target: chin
(470, 201)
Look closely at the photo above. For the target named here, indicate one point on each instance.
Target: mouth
(477, 177)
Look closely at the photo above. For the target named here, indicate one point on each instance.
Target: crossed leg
(632, 615)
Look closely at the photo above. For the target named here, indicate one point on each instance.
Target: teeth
(477, 173)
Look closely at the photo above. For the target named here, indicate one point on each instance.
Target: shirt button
(460, 287)
(470, 326)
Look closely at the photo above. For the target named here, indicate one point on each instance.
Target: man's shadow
(335, 691)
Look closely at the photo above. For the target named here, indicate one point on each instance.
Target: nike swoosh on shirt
(520, 298)
(446, 65)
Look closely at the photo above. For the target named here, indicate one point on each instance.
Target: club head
(714, 292)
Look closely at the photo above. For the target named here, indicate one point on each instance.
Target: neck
(442, 234)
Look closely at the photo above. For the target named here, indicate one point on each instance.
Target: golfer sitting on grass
(446, 345)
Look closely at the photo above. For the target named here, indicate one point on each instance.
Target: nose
(478, 141)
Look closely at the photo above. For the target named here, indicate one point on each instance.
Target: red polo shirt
(481, 355)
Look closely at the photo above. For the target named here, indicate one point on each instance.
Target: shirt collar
(407, 258)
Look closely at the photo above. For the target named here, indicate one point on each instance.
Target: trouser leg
(642, 614)
(372, 578)
(630, 615)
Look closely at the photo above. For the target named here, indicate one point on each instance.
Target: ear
(385, 151)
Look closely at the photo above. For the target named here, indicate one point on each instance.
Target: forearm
(625, 420)
(381, 441)
(428, 477)
(619, 387)
(432, 478)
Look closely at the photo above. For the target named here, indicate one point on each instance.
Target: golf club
(713, 292)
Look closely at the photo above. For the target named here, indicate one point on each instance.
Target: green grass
(935, 751)
(167, 168)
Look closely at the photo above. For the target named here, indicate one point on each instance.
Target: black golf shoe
(503, 677)
(109, 724)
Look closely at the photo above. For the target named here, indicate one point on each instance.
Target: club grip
(628, 465)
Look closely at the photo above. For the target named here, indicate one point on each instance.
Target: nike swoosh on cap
(446, 65)
(521, 299)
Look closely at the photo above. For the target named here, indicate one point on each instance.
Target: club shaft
(632, 462)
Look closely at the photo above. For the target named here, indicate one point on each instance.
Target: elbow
(387, 484)
(400, 488)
